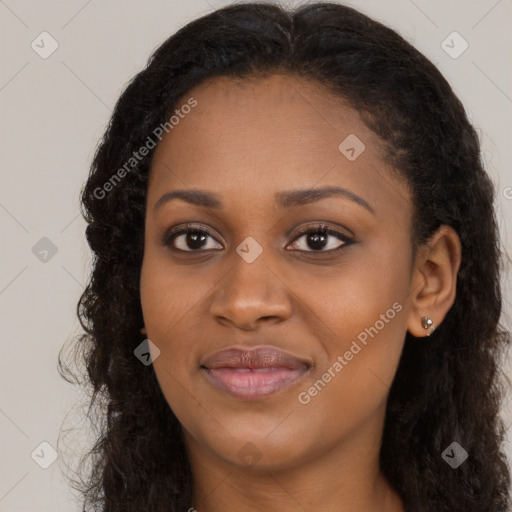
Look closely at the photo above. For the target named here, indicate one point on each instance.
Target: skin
(246, 141)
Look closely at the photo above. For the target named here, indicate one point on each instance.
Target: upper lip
(260, 357)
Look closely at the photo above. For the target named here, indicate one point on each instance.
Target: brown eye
(190, 239)
(321, 238)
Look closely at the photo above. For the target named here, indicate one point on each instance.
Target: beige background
(53, 112)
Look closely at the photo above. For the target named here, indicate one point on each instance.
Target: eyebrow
(286, 199)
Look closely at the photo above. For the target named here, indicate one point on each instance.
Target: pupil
(316, 240)
(195, 239)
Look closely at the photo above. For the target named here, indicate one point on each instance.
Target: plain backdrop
(53, 112)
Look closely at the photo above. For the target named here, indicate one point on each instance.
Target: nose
(251, 293)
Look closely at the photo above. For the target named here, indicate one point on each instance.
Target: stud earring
(428, 324)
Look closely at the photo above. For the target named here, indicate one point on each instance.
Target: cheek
(361, 324)
(351, 383)
(166, 296)
(363, 297)
(171, 300)
(162, 309)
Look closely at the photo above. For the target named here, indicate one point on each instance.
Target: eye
(189, 238)
(317, 238)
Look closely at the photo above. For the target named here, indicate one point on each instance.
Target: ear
(143, 330)
(434, 280)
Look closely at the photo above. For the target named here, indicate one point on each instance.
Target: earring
(428, 324)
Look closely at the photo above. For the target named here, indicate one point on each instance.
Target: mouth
(254, 374)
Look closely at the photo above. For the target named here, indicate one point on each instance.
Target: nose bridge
(250, 290)
(250, 270)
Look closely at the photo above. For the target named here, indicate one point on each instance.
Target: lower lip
(253, 384)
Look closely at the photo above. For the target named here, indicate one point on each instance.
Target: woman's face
(313, 324)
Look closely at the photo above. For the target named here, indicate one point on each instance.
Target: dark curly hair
(449, 389)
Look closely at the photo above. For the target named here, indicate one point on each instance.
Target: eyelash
(323, 229)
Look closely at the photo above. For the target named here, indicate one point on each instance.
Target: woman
(295, 297)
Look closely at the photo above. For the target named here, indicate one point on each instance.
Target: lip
(256, 373)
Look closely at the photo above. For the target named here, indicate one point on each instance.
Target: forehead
(268, 133)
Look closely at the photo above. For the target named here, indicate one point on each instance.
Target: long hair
(445, 390)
